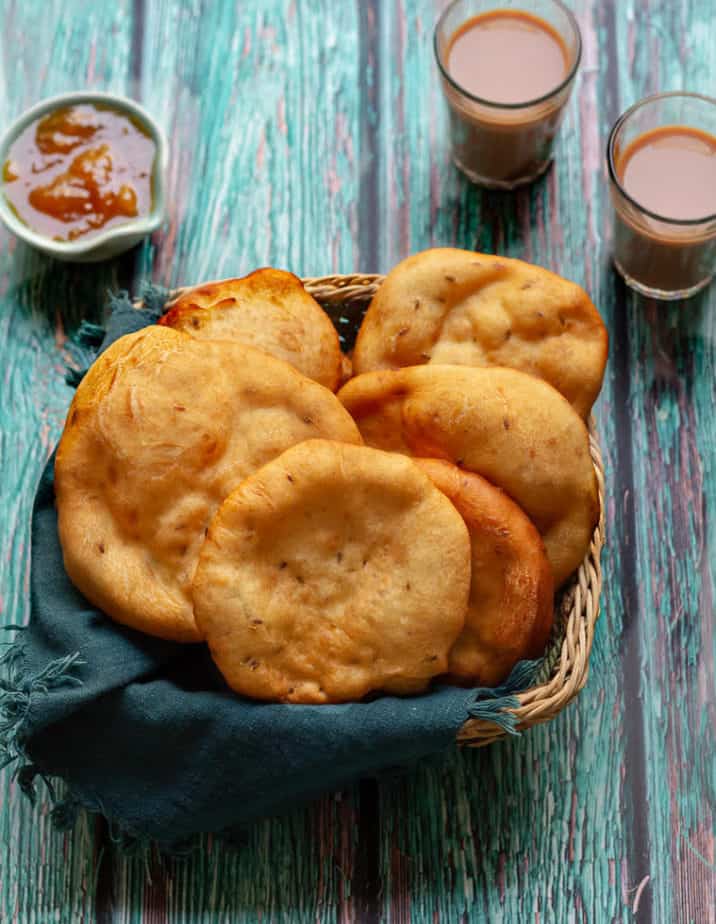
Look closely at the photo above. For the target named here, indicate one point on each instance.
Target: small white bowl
(114, 240)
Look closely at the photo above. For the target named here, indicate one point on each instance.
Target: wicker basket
(345, 299)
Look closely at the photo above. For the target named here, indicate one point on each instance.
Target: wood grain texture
(310, 134)
(46, 48)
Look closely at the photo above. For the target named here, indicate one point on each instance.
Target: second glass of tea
(662, 170)
(507, 73)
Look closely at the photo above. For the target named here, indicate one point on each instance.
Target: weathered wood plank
(45, 48)
(258, 100)
(670, 409)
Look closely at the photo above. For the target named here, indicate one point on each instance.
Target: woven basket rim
(577, 608)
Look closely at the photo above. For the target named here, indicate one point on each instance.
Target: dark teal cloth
(147, 733)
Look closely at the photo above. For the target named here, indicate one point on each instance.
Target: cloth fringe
(84, 344)
(493, 704)
(17, 690)
(154, 298)
(82, 347)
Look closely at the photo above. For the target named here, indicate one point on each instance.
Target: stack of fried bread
(212, 487)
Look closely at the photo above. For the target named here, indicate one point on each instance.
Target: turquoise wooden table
(310, 134)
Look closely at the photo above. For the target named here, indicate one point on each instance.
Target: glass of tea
(661, 156)
(506, 73)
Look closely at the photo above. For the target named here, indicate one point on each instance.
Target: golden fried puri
(458, 307)
(511, 428)
(161, 429)
(268, 309)
(510, 609)
(333, 571)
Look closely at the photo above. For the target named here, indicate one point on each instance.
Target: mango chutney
(78, 170)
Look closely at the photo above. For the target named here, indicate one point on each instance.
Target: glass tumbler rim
(572, 19)
(613, 175)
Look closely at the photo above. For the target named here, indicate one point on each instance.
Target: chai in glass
(663, 187)
(507, 74)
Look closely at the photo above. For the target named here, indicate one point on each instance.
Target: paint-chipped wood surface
(310, 134)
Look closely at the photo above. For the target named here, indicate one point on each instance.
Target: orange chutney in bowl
(78, 170)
